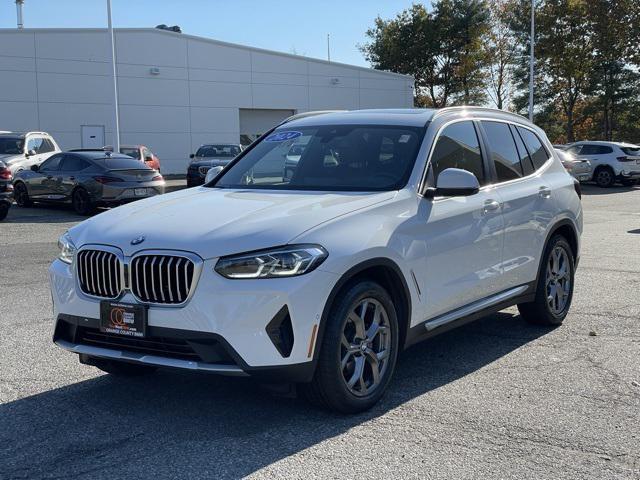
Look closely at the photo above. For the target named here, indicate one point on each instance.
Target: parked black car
(208, 156)
(6, 190)
(87, 179)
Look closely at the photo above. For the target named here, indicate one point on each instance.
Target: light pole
(19, 4)
(532, 59)
(116, 120)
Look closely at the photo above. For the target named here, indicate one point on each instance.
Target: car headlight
(67, 248)
(274, 263)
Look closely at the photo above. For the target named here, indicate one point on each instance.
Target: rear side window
(120, 163)
(595, 150)
(458, 147)
(503, 151)
(71, 163)
(46, 146)
(537, 152)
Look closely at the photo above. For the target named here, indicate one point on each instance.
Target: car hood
(215, 222)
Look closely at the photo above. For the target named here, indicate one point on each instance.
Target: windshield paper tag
(282, 136)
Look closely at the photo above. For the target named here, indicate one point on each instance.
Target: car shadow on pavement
(53, 213)
(593, 189)
(180, 425)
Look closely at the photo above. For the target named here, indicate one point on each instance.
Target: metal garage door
(254, 122)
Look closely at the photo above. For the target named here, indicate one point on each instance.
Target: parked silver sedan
(580, 169)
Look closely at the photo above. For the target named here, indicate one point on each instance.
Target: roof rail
(313, 113)
(444, 110)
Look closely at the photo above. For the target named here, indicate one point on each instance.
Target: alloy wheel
(603, 177)
(365, 347)
(558, 280)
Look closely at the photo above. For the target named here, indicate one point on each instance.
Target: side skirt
(469, 313)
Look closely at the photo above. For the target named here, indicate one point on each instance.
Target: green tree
(443, 50)
(501, 53)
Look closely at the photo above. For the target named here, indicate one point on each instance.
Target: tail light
(624, 159)
(157, 178)
(5, 174)
(576, 185)
(105, 179)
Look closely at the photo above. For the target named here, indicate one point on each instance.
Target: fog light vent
(280, 332)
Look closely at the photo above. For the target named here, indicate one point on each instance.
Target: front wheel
(555, 285)
(82, 202)
(358, 351)
(4, 210)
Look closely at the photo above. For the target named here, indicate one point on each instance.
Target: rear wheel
(22, 195)
(604, 177)
(358, 352)
(122, 369)
(82, 203)
(555, 285)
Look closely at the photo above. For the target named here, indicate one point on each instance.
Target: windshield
(222, 151)
(333, 157)
(11, 145)
(132, 152)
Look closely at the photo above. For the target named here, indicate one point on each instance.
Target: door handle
(490, 206)
(544, 192)
(49, 177)
(72, 178)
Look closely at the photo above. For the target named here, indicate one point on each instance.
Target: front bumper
(629, 175)
(222, 328)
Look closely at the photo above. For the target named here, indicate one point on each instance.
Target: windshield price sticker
(282, 136)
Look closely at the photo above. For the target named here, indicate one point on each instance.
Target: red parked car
(139, 152)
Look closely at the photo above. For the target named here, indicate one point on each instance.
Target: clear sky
(284, 25)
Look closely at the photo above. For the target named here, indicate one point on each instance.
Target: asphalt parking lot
(495, 399)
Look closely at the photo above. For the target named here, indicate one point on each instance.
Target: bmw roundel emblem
(137, 240)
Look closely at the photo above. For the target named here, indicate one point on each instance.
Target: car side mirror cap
(35, 168)
(454, 182)
(213, 173)
(30, 153)
(192, 155)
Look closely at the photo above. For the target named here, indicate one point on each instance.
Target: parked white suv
(395, 225)
(611, 161)
(20, 151)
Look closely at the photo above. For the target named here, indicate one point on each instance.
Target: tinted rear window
(635, 151)
(132, 152)
(121, 163)
(595, 150)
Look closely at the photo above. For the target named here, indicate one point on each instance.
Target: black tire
(81, 202)
(604, 177)
(329, 389)
(539, 311)
(122, 369)
(21, 195)
(4, 210)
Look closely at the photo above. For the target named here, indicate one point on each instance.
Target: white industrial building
(175, 91)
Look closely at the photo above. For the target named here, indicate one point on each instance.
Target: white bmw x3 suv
(394, 226)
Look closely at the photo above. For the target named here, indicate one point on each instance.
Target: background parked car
(6, 190)
(87, 179)
(207, 156)
(611, 161)
(580, 169)
(139, 152)
(19, 151)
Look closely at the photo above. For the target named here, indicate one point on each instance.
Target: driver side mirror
(193, 155)
(35, 168)
(30, 153)
(213, 173)
(454, 182)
